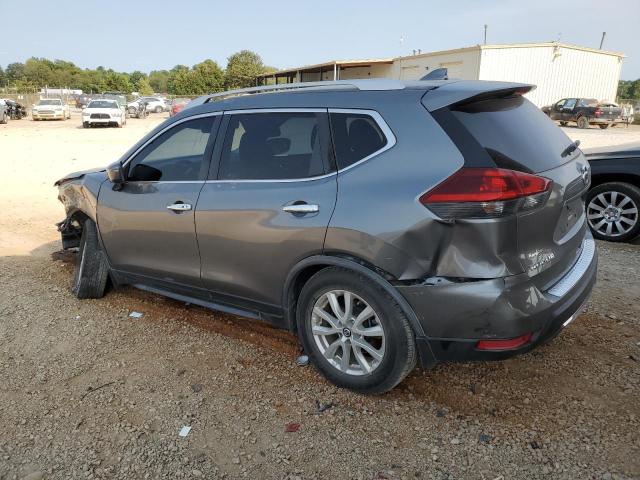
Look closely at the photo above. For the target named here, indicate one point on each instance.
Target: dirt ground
(88, 392)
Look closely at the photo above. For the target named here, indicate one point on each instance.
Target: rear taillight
(486, 193)
(597, 112)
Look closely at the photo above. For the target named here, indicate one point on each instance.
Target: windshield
(103, 104)
(50, 102)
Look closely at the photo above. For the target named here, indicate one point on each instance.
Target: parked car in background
(4, 112)
(383, 222)
(177, 105)
(137, 109)
(119, 97)
(106, 111)
(83, 100)
(155, 104)
(50, 109)
(17, 111)
(584, 112)
(613, 201)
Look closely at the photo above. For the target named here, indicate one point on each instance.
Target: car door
(568, 110)
(147, 226)
(267, 204)
(556, 110)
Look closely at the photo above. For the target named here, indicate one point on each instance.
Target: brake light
(502, 345)
(597, 112)
(486, 193)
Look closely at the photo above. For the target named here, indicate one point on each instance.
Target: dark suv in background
(383, 222)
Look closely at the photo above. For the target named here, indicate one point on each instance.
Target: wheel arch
(601, 178)
(305, 269)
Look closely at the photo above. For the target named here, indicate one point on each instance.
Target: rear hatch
(513, 134)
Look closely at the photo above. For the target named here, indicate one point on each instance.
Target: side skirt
(222, 303)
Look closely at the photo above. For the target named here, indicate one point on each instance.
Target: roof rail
(369, 84)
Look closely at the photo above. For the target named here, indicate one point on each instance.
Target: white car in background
(104, 111)
(50, 109)
(154, 104)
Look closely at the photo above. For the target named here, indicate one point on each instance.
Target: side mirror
(115, 173)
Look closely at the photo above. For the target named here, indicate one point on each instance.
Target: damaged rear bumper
(455, 316)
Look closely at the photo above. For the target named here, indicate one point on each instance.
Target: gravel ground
(88, 392)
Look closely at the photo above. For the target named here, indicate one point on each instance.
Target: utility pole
(604, 34)
(485, 33)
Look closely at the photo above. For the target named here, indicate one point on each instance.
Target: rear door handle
(179, 207)
(301, 208)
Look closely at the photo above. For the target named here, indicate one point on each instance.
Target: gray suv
(383, 222)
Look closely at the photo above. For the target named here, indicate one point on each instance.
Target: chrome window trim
(275, 180)
(382, 124)
(165, 129)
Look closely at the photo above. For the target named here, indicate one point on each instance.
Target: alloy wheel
(348, 332)
(612, 213)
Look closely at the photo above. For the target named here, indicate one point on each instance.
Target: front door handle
(301, 208)
(179, 207)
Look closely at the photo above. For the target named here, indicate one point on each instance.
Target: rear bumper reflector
(504, 344)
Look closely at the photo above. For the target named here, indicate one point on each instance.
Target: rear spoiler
(463, 91)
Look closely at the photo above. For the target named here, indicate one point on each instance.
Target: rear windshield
(516, 134)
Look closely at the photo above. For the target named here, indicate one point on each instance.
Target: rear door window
(356, 136)
(515, 133)
(274, 146)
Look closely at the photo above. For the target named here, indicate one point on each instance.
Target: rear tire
(388, 355)
(583, 122)
(5, 119)
(603, 126)
(92, 270)
(158, 109)
(563, 124)
(600, 203)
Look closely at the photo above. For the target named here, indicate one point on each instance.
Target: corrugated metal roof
(372, 61)
(340, 63)
(515, 45)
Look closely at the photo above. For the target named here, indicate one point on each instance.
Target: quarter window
(273, 146)
(176, 155)
(355, 137)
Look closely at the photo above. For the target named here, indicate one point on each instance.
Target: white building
(558, 70)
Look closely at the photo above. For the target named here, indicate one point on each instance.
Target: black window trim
(206, 156)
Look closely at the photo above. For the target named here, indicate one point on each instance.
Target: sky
(148, 35)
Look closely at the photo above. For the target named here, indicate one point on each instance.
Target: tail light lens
(486, 193)
(598, 112)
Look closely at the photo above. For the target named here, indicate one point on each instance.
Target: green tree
(15, 71)
(242, 69)
(136, 76)
(207, 77)
(117, 81)
(143, 87)
(3, 78)
(158, 80)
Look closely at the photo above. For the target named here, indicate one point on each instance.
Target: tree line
(629, 89)
(205, 77)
